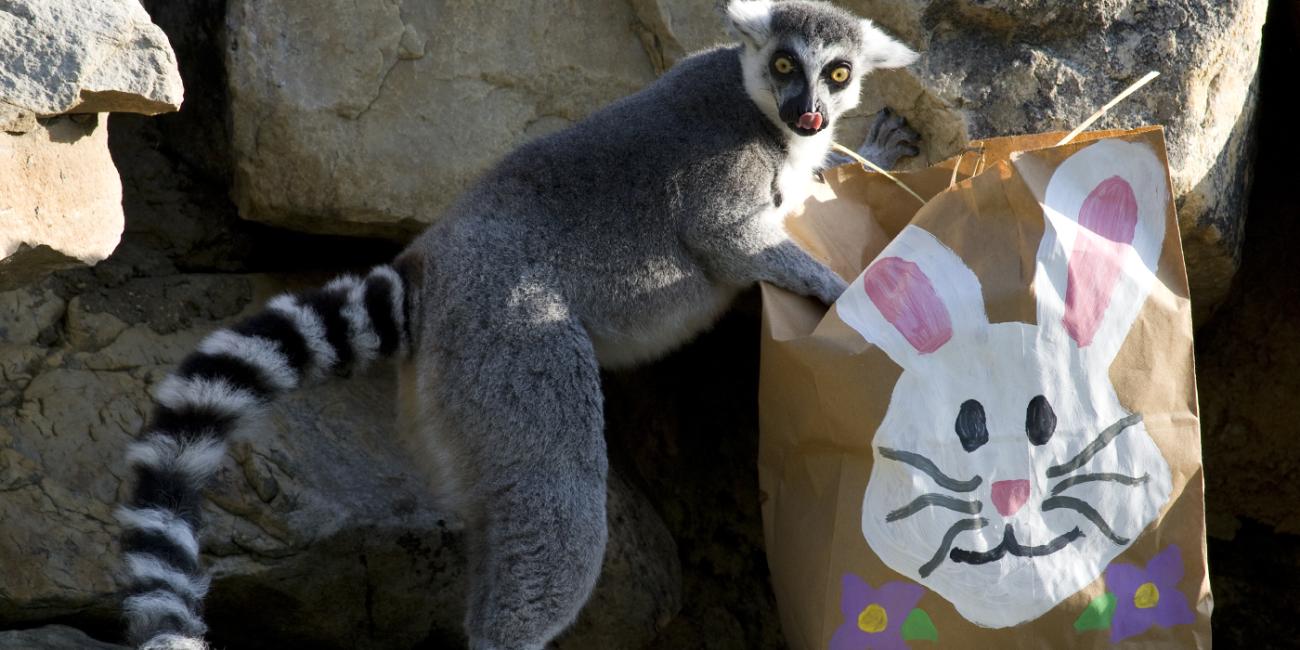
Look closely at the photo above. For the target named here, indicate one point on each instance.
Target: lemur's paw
(173, 642)
(830, 289)
(889, 140)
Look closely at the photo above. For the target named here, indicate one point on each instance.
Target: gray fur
(607, 244)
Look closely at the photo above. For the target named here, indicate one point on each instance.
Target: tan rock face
(370, 117)
(65, 56)
(60, 198)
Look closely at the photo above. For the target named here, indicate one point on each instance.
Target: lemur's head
(804, 60)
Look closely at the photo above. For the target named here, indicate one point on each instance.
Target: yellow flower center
(873, 619)
(1146, 596)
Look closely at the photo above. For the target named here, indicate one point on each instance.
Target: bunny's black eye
(971, 427)
(1040, 421)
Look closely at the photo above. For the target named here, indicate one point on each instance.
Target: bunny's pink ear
(1109, 217)
(907, 300)
(916, 299)
(1105, 210)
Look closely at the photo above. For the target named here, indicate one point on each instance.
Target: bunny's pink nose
(1008, 496)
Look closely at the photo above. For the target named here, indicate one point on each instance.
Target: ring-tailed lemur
(606, 244)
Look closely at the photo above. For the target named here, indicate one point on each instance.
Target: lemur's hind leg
(522, 386)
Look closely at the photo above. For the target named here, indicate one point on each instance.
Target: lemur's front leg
(793, 269)
(745, 251)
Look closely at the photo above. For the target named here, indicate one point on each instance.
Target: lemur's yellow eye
(840, 75)
(783, 65)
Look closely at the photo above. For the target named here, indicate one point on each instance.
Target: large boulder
(71, 56)
(1022, 66)
(319, 532)
(60, 197)
(369, 117)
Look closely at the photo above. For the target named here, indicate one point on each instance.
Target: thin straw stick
(873, 166)
(960, 156)
(1109, 105)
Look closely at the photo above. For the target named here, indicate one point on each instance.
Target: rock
(62, 56)
(369, 118)
(1003, 67)
(53, 637)
(60, 198)
(319, 532)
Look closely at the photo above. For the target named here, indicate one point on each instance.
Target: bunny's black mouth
(1007, 545)
(1010, 545)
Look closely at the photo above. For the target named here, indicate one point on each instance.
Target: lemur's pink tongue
(810, 121)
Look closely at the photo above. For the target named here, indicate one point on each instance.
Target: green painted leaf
(1097, 615)
(919, 627)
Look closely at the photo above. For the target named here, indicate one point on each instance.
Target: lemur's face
(804, 61)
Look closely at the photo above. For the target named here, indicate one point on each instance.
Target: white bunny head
(1007, 473)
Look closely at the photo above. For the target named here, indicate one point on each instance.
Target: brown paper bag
(991, 440)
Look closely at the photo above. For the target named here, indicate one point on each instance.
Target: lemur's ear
(882, 51)
(750, 21)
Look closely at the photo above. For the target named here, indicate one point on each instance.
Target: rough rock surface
(318, 535)
(60, 197)
(1248, 375)
(53, 637)
(370, 117)
(58, 56)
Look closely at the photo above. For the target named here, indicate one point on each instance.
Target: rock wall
(386, 110)
(319, 533)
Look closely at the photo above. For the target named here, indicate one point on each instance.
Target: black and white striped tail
(214, 394)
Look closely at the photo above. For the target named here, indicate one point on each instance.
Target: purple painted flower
(1147, 597)
(873, 618)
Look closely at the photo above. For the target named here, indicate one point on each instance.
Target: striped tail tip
(212, 396)
(173, 642)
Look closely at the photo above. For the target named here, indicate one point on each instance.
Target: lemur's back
(640, 162)
(608, 198)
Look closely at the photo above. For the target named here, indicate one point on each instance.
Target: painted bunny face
(1007, 472)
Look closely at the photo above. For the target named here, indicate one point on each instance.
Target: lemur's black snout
(804, 115)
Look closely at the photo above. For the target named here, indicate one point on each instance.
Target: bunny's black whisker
(1104, 438)
(1071, 503)
(1087, 478)
(926, 465)
(958, 528)
(943, 501)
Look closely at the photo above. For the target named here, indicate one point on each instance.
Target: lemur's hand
(829, 288)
